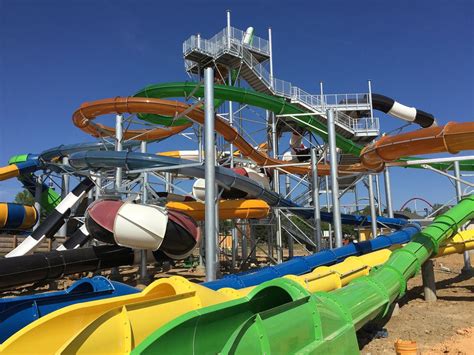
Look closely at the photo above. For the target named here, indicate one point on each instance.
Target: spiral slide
(14, 216)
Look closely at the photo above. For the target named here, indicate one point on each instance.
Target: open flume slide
(18, 312)
(88, 111)
(282, 316)
(144, 316)
(275, 104)
(14, 216)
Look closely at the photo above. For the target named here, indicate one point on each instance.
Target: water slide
(274, 104)
(451, 138)
(282, 316)
(22, 167)
(18, 312)
(53, 221)
(84, 116)
(406, 113)
(14, 216)
(96, 326)
(227, 178)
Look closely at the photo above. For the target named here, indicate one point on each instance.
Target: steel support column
(144, 277)
(373, 212)
(457, 173)
(317, 207)
(336, 211)
(64, 191)
(276, 188)
(210, 177)
(388, 192)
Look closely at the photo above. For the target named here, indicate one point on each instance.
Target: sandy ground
(442, 327)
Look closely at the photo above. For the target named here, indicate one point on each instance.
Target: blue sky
(54, 55)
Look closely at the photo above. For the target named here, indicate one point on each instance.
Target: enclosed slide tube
(18, 312)
(22, 167)
(303, 264)
(278, 105)
(451, 138)
(227, 178)
(89, 326)
(54, 221)
(14, 216)
(141, 226)
(396, 109)
(281, 316)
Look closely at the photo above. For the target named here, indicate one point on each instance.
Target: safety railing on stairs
(234, 44)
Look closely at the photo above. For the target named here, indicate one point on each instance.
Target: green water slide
(49, 198)
(279, 316)
(276, 104)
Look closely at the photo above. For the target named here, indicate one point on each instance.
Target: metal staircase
(228, 49)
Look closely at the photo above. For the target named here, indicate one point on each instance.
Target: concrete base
(429, 284)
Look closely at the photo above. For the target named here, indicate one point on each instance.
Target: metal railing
(223, 43)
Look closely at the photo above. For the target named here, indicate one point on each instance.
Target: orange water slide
(228, 209)
(88, 111)
(450, 138)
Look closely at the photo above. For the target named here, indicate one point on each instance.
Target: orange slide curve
(88, 111)
(450, 138)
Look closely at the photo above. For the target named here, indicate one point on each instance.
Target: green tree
(25, 198)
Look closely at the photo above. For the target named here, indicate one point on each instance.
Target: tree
(25, 198)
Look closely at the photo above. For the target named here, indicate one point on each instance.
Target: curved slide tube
(452, 138)
(54, 221)
(304, 264)
(275, 104)
(82, 116)
(145, 317)
(396, 109)
(18, 312)
(140, 226)
(170, 296)
(225, 177)
(22, 167)
(14, 216)
(55, 264)
(228, 209)
(272, 319)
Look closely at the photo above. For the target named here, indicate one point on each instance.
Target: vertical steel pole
(210, 176)
(336, 212)
(379, 196)
(144, 277)
(317, 207)
(369, 83)
(290, 240)
(118, 148)
(373, 213)
(457, 174)
(38, 193)
(270, 50)
(388, 192)
(276, 188)
(321, 92)
(64, 192)
(228, 29)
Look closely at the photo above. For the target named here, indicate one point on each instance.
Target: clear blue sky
(54, 55)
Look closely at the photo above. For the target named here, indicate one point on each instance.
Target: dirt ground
(442, 327)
